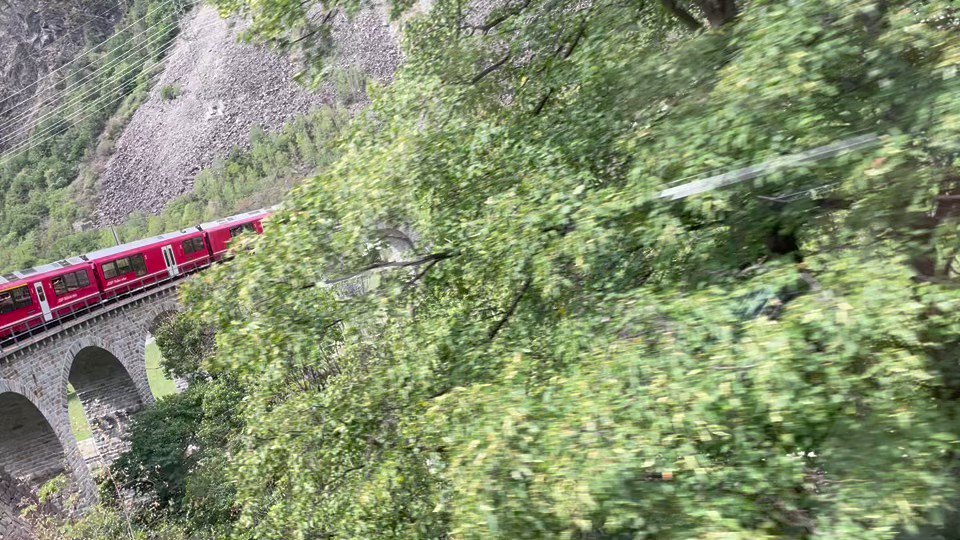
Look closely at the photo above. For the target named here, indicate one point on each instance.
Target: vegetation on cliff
(41, 177)
(480, 323)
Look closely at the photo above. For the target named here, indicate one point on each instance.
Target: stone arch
(156, 316)
(129, 352)
(31, 451)
(160, 319)
(24, 472)
(398, 241)
(160, 314)
(108, 394)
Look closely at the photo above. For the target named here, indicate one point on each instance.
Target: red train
(33, 299)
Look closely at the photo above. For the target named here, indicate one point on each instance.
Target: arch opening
(108, 396)
(30, 451)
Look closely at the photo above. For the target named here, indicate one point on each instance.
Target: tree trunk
(718, 12)
(681, 14)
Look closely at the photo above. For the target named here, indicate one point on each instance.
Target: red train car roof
(228, 221)
(145, 242)
(15, 278)
(39, 271)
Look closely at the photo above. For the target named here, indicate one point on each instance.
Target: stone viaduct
(102, 355)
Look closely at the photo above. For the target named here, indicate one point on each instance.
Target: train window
(14, 299)
(120, 267)
(193, 245)
(71, 282)
(139, 265)
(240, 229)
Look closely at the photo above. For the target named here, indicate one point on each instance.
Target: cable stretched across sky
(79, 56)
(790, 161)
(86, 112)
(79, 98)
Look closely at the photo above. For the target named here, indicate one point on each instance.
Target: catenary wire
(81, 55)
(23, 115)
(52, 131)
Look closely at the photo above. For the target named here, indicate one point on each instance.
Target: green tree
(179, 448)
(546, 338)
(185, 344)
(481, 322)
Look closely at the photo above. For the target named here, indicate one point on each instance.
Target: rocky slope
(36, 38)
(213, 91)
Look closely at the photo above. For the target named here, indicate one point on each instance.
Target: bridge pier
(103, 356)
(12, 496)
(35, 447)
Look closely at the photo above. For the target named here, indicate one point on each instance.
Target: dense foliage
(480, 322)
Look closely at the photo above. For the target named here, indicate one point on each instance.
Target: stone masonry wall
(29, 449)
(13, 494)
(109, 397)
(104, 358)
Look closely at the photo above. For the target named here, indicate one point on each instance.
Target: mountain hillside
(213, 92)
(109, 111)
(36, 38)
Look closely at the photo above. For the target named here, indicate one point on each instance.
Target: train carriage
(135, 265)
(37, 296)
(222, 231)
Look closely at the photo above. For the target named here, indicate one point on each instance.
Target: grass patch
(351, 85)
(170, 92)
(78, 420)
(160, 384)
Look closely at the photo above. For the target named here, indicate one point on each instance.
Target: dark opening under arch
(29, 448)
(108, 395)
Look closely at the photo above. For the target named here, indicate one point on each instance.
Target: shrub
(170, 92)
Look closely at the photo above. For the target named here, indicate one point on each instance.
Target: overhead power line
(78, 116)
(82, 113)
(77, 98)
(79, 56)
(110, 64)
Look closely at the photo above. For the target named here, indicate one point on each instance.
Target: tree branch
(576, 39)
(543, 102)
(421, 273)
(494, 22)
(513, 308)
(343, 474)
(392, 264)
(320, 27)
(566, 54)
(490, 69)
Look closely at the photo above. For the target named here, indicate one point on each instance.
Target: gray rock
(227, 88)
(36, 38)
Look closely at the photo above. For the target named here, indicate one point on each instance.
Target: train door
(168, 258)
(44, 305)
